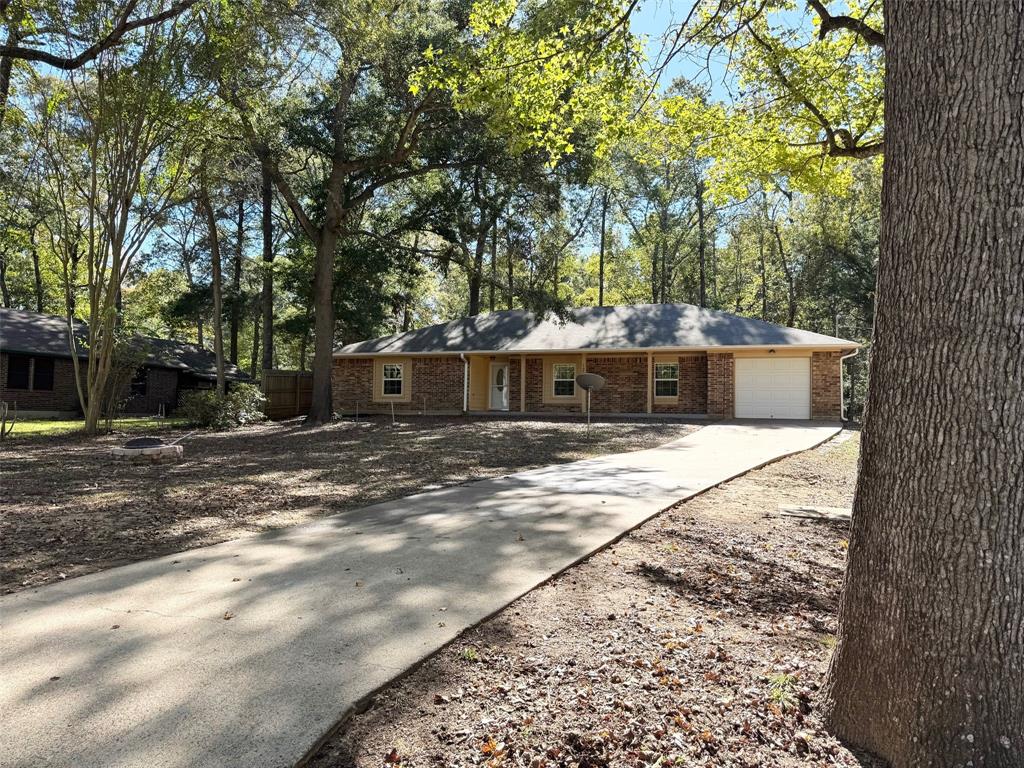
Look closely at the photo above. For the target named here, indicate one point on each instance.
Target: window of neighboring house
(42, 373)
(140, 381)
(564, 380)
(666, 379)
(392, 379)
(18, 370)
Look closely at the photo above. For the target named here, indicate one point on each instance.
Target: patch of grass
(470, 654)
(29, 428)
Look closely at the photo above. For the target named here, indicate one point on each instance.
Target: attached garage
(773, 387)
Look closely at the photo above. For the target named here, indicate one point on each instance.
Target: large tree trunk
(321, 410)
(37, 272)
(7, 62)
(236, 283)
(929, 668)
(216, 285)
(702, 240)
(254, 361)
(267, 295)
(787, 270)
(494, 263)
(477, 272)
(5, 291)
(600, 258)
(510, 268)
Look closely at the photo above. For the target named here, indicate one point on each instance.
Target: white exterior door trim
(498, 388)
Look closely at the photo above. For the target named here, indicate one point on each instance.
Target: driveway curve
(245, 653)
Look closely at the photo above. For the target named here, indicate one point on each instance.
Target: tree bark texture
(267, 295)
(929, 667)
(236, 283)
(477, 272)
(494, 263)
(4, 290)
(321, 410)
(216, 284)
(702, 240)
(36, 271)
(600, 262)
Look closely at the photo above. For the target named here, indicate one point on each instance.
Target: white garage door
(773, 387)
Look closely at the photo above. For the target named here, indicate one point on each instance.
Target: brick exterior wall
(440, 381)
(626, 387)
(721, 385)
(514, 389)
(825, 394)
(706, 385)
(352, 384)
(693, 386)
(535, 391)
(63, 397)
(437, 379)
(161, 388)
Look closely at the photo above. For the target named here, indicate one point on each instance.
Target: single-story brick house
(656, 358)
(36, 372)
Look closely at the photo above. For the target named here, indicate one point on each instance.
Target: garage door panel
(773, 388)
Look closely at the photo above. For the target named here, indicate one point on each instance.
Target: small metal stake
(392, 414)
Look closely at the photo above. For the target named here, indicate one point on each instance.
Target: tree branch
(122, 27)
(859, 27)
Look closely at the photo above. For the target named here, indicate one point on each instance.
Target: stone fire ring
(148, 455)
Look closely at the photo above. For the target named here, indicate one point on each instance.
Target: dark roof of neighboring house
(36, 334)
(635, 326)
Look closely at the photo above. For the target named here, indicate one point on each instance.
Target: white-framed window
(564, 378)
(392, 381)
(666, 379)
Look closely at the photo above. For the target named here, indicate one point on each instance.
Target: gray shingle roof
(36, 334)
(635, 326)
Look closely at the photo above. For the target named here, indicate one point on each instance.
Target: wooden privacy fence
(288, 393)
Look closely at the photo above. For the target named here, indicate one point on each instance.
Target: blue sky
(652, 20)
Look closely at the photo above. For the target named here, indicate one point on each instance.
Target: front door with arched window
(499, 386)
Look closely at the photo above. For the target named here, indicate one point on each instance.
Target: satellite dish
(590, 381)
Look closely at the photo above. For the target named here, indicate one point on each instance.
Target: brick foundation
(721, 385)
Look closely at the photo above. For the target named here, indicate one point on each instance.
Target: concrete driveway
(245, 653)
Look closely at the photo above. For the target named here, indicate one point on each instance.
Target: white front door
(773, 387)
(499, 387)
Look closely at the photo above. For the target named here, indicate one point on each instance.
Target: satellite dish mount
(590, 382)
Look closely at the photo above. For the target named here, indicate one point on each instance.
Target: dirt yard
(702, 638)
(67, 509)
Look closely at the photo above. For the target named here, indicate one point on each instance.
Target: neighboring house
(36, 370)
(657, 359)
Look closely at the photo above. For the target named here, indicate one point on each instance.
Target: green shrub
(242, 405)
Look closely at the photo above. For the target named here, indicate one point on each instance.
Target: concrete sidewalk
(245, 653)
